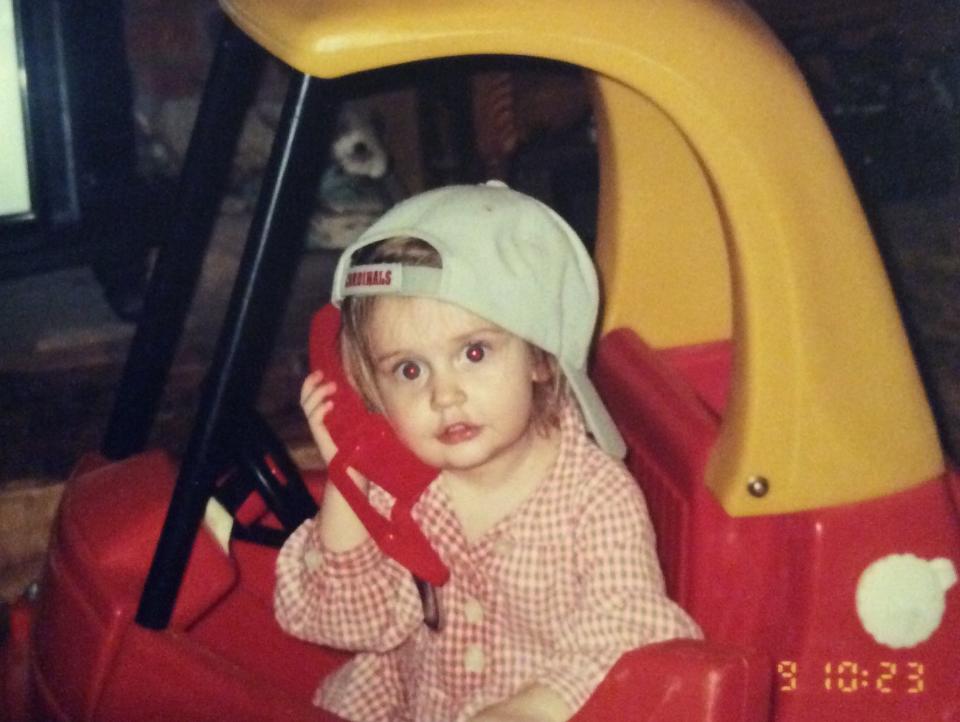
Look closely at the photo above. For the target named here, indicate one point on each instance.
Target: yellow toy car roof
(725, 211)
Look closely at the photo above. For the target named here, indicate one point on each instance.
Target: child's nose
(447, 391)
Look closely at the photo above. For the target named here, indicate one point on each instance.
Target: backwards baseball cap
(505, 257)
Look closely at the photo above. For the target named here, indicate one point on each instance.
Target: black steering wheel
(263, 465)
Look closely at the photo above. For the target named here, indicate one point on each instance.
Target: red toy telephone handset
(366, 442)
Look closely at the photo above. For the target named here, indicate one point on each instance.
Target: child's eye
(409, 370)
(475, 352)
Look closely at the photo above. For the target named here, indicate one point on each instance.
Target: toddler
(468, 313)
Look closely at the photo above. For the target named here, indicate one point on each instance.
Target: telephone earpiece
(367, 443)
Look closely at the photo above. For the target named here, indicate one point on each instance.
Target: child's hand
(535, 703)
(340, 529)
(492, 715)
(498, 715)
(316, 404)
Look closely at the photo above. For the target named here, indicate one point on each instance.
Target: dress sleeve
(623, 603)
(359, 600)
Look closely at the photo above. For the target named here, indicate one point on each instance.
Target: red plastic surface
(683, 680)
(784, 584)
(706, 368)
(223, 656)
(14, 662)
(227, 659)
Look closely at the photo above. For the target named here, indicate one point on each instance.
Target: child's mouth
(458, 433)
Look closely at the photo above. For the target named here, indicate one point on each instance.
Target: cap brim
(595, 414)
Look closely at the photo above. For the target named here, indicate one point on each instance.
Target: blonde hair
(356, 312)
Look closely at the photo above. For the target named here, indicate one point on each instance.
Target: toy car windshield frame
(754, 231)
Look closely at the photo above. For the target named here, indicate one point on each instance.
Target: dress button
(312, 560)
(473, 659)
(473, 611)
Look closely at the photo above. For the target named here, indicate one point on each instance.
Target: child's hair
(548, 395)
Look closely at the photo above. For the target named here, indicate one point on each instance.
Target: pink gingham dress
(553, 594)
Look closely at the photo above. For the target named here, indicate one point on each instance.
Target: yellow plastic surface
(724, 209)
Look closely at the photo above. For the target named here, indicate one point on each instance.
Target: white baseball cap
(505, 257)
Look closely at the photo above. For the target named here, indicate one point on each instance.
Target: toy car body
(751, 353)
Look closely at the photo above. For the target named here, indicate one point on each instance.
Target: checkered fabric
(553, 594)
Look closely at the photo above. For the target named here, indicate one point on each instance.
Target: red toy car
(751, 354)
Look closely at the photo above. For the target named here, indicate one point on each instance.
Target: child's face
(457, 389)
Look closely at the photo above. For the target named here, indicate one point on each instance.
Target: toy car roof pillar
(257, 300)
(725, 212)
